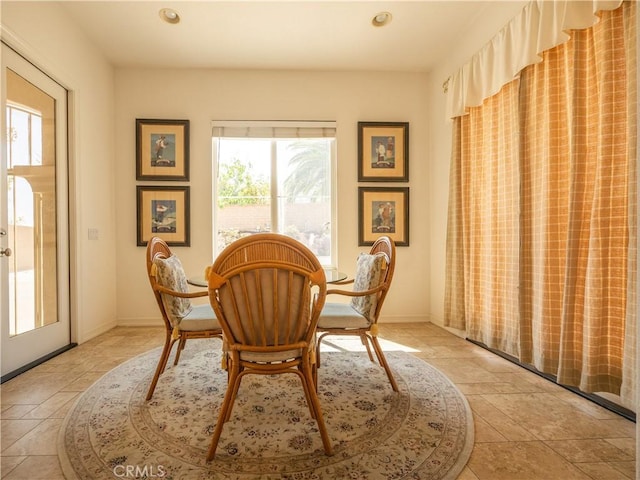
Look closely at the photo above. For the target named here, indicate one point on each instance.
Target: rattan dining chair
(267, 291)
(359, 317)
(182, 319)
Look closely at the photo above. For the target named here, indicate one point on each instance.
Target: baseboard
(140, 322)
(403, 319)
(94, 332)
(157, 322)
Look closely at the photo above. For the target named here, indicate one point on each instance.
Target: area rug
(425, 431)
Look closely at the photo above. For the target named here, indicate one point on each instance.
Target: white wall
(110, 271)
(205, 95)
(43, 33)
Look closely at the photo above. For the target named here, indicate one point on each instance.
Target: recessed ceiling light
(169, 15)
(381, 19)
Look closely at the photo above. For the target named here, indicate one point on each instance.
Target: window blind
(273, 129)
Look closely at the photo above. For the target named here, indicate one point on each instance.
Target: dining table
(332, 275)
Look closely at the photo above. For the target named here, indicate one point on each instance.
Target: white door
(34, 240)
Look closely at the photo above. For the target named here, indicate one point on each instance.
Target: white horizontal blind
(273, 129)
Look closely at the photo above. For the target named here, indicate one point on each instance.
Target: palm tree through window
(275, 179)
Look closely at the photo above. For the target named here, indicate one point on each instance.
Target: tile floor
(526, 428)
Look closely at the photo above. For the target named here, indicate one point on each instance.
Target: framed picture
(383, 211)
(162, 149)
(163, 211)
(383, 151)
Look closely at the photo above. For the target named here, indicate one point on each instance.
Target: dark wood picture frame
(162, 149)
(383, 211)
(163, 211)
(383, 151)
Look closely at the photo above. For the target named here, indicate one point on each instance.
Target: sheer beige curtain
(570, 309)
(578, 206)
(483, 223)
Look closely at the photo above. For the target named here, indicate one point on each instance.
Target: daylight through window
(275, 177)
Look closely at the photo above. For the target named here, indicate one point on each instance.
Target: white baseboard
(94, 332)
(403, 319)
(141, 322)
(157, 322)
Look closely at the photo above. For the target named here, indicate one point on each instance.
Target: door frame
(53, 339)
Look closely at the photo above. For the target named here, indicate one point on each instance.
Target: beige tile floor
(526, 428)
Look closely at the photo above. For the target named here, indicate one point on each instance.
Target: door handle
(5, 252)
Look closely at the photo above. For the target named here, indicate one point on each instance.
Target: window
(24, 150)
(275, 177)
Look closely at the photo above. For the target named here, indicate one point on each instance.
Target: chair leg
(307, 394)
(383, 361)
(229, 398)
(365, 341)
(320, 337)
(314, 371)
(236, 386)
(183, 341)
(162, 364)
(307, 379)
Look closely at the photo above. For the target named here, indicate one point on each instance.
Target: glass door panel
(34, 259)
(31, 205)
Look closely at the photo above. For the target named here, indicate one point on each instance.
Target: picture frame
(383, 211)
(383, 151)
(163, 211)
(162, 149)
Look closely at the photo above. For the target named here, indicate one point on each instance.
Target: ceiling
(293, 34)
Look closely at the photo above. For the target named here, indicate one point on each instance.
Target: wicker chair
(182, 320)
(359, 317)
(267, 291)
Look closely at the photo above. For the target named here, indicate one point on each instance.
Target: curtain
(629, 388)
(483, 223)
(540, 26)
(557, 220)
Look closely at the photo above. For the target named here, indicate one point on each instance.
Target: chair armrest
(174, 293)
(351, 293)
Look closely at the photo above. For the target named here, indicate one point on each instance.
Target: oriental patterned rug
(423, 432)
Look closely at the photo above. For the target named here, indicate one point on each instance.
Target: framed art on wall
(163, 211)
(383, 151)
(162, 149)
(383, 211)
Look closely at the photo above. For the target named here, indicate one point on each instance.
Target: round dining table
(332, 275)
